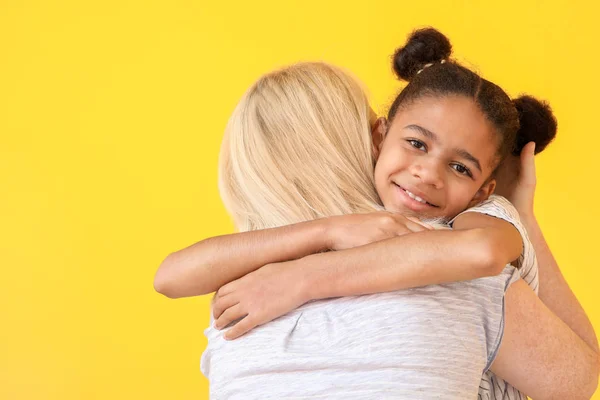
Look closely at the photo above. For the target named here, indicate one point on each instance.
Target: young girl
(430, 163)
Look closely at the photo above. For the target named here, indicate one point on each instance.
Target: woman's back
(425, 343)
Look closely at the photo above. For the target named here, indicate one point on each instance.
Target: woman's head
(449, 129)
(298, 147)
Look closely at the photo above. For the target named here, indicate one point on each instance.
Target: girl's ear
(378, 131)
(486, 190)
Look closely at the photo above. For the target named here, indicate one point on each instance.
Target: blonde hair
(298, 147)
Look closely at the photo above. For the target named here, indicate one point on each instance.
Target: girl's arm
(479, 246)
(207, 265)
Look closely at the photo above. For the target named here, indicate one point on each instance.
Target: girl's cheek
(464, 197)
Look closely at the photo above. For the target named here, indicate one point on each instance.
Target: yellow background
(111, 116)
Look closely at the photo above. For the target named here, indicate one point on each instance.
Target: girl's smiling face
(436, 158)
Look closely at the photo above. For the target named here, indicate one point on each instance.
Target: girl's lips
(410, 202)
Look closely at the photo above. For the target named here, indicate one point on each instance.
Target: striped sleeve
(499, 207)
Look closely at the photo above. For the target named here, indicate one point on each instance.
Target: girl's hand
(516, 180)
(258, 298)
(353, 230)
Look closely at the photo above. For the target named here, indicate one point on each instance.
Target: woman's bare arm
(539, 354)
(554, 290)
(479, 246)
(517, 181)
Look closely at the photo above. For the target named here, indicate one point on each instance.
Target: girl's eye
(417, 144)
(461, 169)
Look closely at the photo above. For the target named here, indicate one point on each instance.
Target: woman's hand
(516, 180)
(258, 298)
(353, 230)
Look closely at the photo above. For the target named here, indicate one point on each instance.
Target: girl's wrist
(327, 229)
(302, 276)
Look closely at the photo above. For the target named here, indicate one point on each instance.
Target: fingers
(528, 164)
(223, 303)
(231, 314)
(405, 225)
(414, 219)
(416, 225)
(242, 327)
(226, 289)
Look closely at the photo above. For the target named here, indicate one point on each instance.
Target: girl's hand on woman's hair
(517, 180)
(353, 230)
(258, 298)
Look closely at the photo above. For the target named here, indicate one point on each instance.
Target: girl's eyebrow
(425, 132)
(465, 154)
(433, 137)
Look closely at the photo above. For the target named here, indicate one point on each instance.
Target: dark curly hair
(424, 62)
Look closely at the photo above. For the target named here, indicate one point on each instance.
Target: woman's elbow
(585, 387)
(594, 373)
(585, 392)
